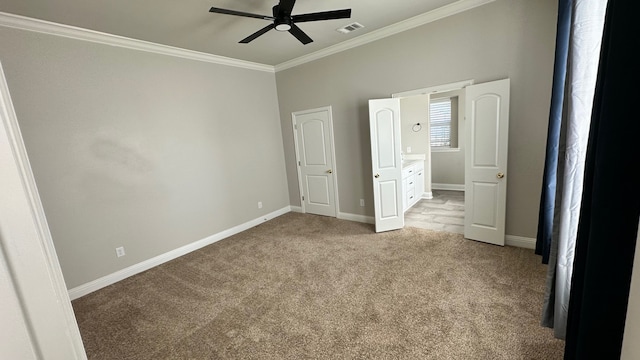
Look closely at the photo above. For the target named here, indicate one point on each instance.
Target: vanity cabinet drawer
(411, 195)
(408, 172)
(412, 184)
(411, 181)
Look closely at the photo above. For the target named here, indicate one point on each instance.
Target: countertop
(407, 163)
(411, 159)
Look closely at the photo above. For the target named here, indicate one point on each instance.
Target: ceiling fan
(284, 21)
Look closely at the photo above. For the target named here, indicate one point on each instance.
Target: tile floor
(444, 212)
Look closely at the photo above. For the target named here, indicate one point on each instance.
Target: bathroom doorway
(433, 126)
(486, 141)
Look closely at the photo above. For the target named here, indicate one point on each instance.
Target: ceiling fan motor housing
(284, 21)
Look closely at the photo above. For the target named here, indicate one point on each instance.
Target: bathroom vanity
(412, 182)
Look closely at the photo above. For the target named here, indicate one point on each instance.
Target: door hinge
(299, 163)
(295, 126)
(303, 198)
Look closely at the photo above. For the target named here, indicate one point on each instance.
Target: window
(442, 135)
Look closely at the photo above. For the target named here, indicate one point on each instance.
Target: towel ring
(417, 127)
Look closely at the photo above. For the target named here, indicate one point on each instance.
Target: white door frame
(329, 111)
(444, 88)
(29, 265)
(434, 89)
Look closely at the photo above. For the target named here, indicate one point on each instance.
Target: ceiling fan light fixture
(283, 24)
(282, 20)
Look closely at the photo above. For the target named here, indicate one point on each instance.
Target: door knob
(500, 175)
(329, 171)
(376, 176)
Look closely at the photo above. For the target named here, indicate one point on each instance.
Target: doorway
(485, 138)
(433, 127)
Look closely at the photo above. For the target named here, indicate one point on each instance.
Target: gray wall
(414, 110)
(141, 150)
(506, 38)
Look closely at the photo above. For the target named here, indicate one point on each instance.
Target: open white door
(314, 148)
(384, 122)
(487, 113)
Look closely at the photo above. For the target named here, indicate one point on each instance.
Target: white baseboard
(509, 240)
(453, 187)
(84, 289)
(344, 216)
(356, 217)
(427, 195)
(520, 241)
(107, 280)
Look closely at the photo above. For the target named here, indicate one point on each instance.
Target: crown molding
(72, 32)
(431, 16)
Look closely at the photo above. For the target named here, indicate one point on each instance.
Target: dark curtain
(548, 198)
(610, 209)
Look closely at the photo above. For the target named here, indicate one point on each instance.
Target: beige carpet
(311, 287)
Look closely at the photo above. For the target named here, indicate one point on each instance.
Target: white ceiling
(188, 24)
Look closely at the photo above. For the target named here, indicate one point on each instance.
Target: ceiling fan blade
(240, 13)
(286, 6)
(300, 35)
(325, 15)
(255, 35)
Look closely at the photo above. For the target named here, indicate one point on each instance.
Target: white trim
(452, 187)
(72, 32)
(294, 128)
(435, 89)
(357, 218)
(343, 216)
(107, 280)
(113, 278)
(427, 195)
(444, 149)
(42, 294)
(431, 16)
(520, 241)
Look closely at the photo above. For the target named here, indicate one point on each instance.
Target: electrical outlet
(361, 202)
(259, 204)
(120, 251)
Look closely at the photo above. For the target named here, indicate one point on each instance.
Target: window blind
(440, 120)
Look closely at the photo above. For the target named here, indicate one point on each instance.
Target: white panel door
(384, 122)
(487, 113)
(314, 148)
